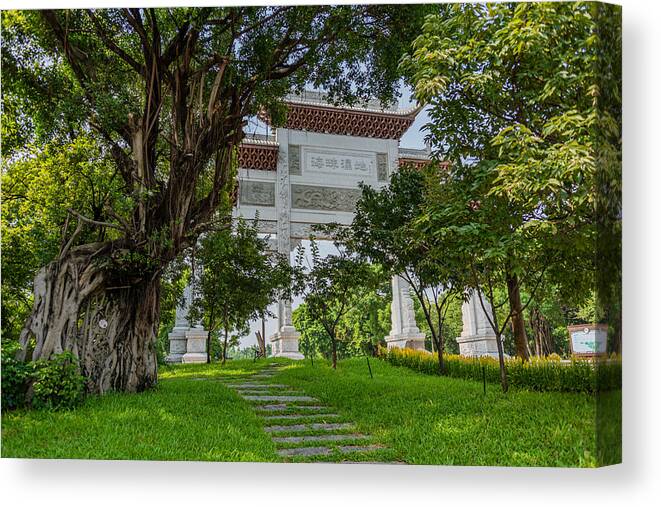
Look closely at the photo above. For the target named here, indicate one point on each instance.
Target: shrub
(15, 377)
(538, 374)
(57, 384)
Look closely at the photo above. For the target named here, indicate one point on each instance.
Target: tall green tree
(516, 98)
(165, 92)
(38, 190)
(384, 231)
(239, 279)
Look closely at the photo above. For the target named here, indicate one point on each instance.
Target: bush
(538, 374)
(54, 384)
(15, 377)
(57, 383)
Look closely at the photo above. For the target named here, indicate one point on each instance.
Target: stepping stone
(319, 438)
(297, 416)
(283, 406)
(277, 398)
(346, 462)
(305, 451)
(248, 385)
(308, 427)
(271, 408)
(359, 448)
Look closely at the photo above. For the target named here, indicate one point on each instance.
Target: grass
(420, 418)
(182, 419)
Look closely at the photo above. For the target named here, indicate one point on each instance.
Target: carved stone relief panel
(324, 198)
(339, 162)
(301, 231)
(257, 193)
(382, 166)
(295, 159)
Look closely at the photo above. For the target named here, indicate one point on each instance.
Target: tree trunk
(501, 363)
(542, 333)
(111, 330)
(226, 336)
(334, 351)
(225, 348)
(441, 366)
(518, 323)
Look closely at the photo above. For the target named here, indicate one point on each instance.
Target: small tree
(384, 231)
(333, 285)
(239, 279)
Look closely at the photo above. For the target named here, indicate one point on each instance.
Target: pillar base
(414, 341)
(196, 346)
(284, 343)
(177, 339)
(478, 345)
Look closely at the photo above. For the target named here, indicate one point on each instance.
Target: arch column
(284, 343)
(477, 336)
(404, 332)
(188, 343)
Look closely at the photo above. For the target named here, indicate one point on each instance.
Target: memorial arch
(307, 173)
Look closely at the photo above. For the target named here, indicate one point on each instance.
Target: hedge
(537, 374)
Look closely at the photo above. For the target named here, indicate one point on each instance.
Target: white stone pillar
(188, 344)
(477, 336)
(284, 343)
(404, 332)
(177, 336)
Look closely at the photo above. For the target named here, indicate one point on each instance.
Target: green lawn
(422, 419)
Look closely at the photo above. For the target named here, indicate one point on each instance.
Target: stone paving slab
(277, 398)
(253, 385)
(286, 406)
(274, 392)
(305, 451)
(360, 448)
(296, 416)
(308, 427)
(320, 438)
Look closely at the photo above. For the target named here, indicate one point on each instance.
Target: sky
(412, 138)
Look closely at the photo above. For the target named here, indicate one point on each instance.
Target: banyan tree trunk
(112, 330)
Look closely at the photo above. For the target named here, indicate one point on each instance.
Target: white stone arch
(309, 173)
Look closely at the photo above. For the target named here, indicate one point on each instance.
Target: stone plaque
(257, 193)
(340, 162)
(381, 167)
(324, 198)
(295, 159)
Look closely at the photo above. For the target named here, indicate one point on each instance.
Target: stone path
(300, 426)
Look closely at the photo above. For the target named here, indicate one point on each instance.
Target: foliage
(360, 330)
(57, 384)
(15, 377)
(538, 374)
(38, 189)
(165, 94)
(333, 286)
(239, 279)
(383, 231)
(519, 196)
